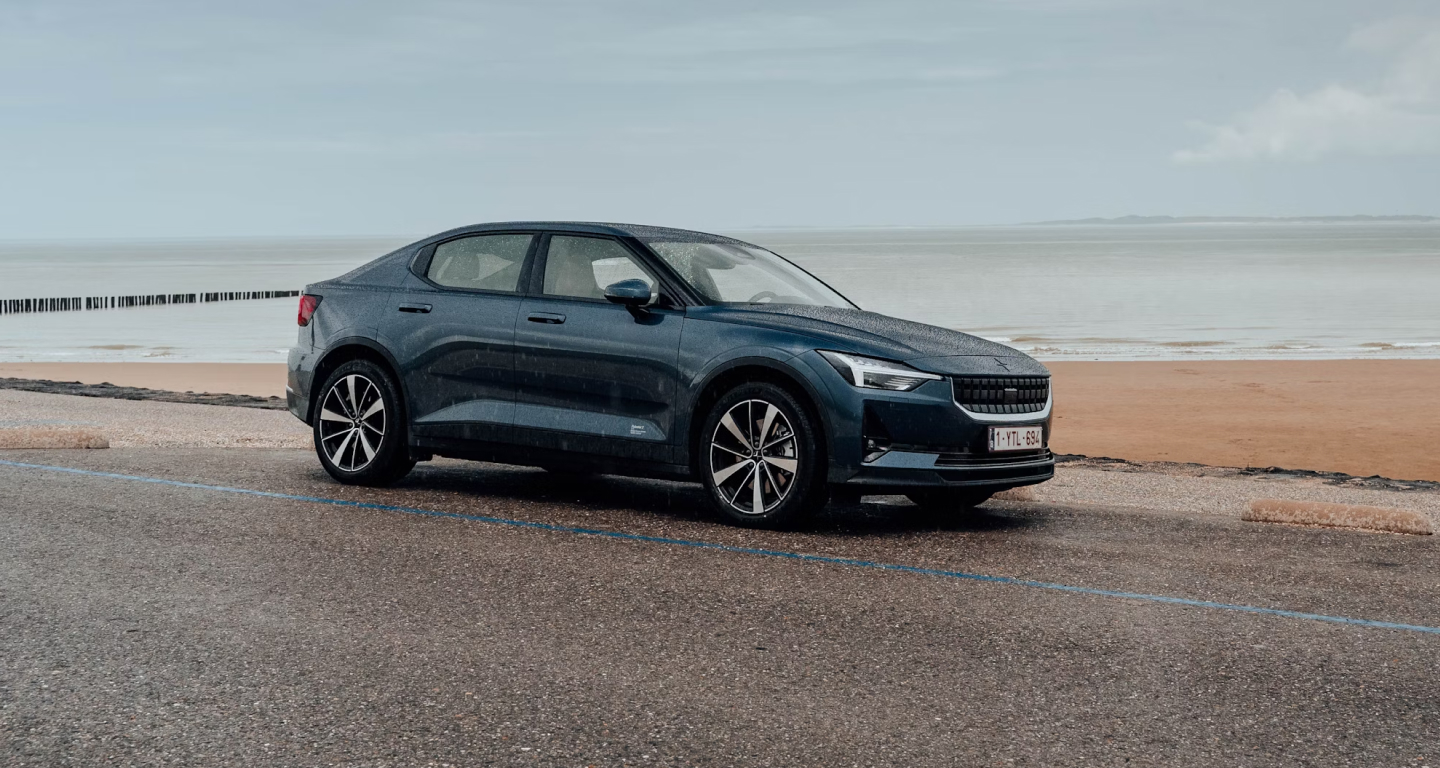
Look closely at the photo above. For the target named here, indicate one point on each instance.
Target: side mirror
(633, 293)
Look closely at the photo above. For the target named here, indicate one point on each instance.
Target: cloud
(1399, 115)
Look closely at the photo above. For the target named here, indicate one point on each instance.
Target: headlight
(869, 373)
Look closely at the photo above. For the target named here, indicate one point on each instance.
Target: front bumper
(923, 469)
(931, 440)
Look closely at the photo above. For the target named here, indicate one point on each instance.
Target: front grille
(1002, 394)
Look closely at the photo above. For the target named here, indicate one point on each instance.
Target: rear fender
(342, 350)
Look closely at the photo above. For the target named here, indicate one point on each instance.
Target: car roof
(643, 232)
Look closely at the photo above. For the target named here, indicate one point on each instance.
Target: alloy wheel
(352, 422)
(754, 455)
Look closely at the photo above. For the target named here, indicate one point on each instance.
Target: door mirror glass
(631, 293)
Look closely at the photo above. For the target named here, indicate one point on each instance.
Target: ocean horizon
(1184, 291)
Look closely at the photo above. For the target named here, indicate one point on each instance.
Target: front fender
(782, 362)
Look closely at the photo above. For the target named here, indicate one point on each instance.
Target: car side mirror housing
(634, 293)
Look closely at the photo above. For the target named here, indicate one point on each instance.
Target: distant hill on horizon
(1240, 220)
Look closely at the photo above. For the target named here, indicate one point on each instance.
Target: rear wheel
(761, 458)
(359, 427)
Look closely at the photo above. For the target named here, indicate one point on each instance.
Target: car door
(593, 376)
(453, 334)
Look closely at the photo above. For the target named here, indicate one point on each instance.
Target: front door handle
(421, 308)
(546, 317)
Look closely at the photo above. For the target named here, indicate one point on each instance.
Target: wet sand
(1362, 417)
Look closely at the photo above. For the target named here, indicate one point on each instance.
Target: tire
(948, 500)
(360, 437)
(789, 461)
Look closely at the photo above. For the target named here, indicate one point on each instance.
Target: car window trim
(421, 264)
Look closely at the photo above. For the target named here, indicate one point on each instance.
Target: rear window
(480, 263)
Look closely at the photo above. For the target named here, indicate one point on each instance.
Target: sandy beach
(1362, 417)
(257, 379)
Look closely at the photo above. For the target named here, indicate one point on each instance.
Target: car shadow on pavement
(686, 502)
(896, 515)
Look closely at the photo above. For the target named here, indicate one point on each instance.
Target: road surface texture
(156, 623)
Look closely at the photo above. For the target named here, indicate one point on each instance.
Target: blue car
(657, 352)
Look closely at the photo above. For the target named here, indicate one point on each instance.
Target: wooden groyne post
(87, 303)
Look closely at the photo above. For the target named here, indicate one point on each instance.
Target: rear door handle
(421, 308)
(546, 317)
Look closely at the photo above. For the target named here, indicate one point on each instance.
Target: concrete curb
(51, 437)
(1337, 516)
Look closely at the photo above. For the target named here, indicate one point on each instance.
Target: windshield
(736, 274)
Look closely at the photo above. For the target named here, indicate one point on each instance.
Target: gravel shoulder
(1199, 490)
(1109, 483)
(156, 424)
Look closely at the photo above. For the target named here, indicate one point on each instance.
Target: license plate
(1016, 439)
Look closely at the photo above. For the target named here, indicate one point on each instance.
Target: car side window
(581, 267)
(482, 262)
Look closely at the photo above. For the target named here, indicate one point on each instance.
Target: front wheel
(359, 427)
(761, 458)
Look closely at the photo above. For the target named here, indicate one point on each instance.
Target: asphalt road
(147, 623)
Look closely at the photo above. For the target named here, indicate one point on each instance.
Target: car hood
(928, 347)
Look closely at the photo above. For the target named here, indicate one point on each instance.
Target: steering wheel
(761, 296)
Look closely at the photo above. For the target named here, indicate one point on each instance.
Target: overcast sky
(122, 118)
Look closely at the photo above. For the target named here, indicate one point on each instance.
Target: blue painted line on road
(845, 561)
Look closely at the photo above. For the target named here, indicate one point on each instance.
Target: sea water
(1116, 292)
(1252, 291)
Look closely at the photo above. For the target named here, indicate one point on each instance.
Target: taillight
(308, 304)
